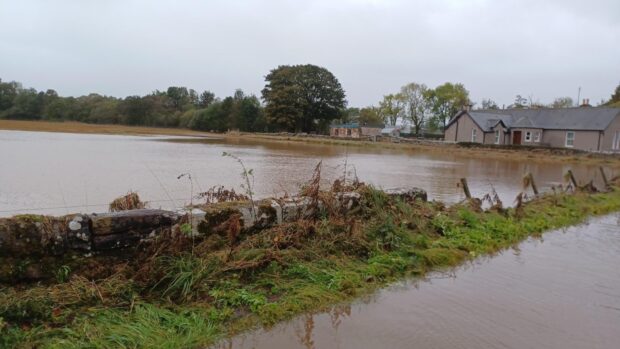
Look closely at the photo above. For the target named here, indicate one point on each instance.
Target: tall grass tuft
(184, 276)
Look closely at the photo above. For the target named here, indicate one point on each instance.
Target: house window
(528, 136)
(570, 139)
(496, 136)
(348, 132)
(616, 144)
(537, 136)
(473, 135)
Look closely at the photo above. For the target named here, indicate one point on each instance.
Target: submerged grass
(173, 298)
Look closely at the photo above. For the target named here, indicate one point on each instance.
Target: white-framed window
(528, 136)
(496, 136)
(616, 144)
(537, 136)
(570, 139)
(473, 135)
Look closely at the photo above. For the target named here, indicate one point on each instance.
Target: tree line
(296, 98)
(174, 107)
(301, 98)
(415, 104)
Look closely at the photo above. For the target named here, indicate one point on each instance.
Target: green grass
(183, 299)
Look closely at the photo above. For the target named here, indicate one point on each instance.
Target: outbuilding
(355, 130)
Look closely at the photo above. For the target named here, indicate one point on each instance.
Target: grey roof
(488, 120)
(583, 118)
(524, 122)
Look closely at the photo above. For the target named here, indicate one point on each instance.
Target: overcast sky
(497, 48)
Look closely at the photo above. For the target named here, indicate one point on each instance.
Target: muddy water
(559, 292)
(56, 173)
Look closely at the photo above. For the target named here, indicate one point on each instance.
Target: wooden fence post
(604, 176)
(465, 188)
(530, 178)
(572, 179)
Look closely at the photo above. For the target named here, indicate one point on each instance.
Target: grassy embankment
(175, 294)
(521, 154)
(79, 127)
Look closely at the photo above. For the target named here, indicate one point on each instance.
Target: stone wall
(33, 235)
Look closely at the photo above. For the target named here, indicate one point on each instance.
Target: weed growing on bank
(169, 295)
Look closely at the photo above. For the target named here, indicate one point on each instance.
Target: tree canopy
(421, 106)
(417, 102)
(446, 100)
(391, 108)
(302, 98)
(177, 106)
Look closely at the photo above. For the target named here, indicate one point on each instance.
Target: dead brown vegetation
(130, 201)
(219, 193)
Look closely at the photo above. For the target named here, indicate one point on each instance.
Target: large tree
(205, 99)
(391, 108)
(446, 100)
(8, 92)
(179, 97)
(302, 98)
(416, 104)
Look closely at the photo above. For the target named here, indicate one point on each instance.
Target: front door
(516, 137)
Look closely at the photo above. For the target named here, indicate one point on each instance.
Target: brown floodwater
(59, 173)
(561, 291)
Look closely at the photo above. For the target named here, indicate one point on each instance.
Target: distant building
(396, 131)
(355, 130)
(585, 128)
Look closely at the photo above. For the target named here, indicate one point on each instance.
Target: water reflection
(305, 335)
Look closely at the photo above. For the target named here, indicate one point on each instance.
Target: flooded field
(562, 291)
(559, 292)
(59, 173)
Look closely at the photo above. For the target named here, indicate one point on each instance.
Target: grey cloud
(496, 48)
